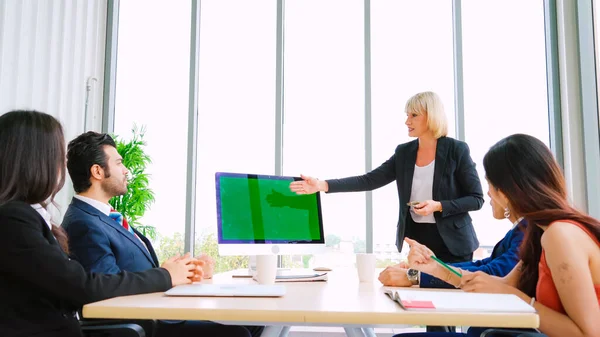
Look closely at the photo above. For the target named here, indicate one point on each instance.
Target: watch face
(413, 272)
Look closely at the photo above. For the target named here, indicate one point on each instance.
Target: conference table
(341, 301)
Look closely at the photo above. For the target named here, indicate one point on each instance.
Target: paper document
(291, 277)
(453, 301)
(237, 290)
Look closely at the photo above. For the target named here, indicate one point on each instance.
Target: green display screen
(262, 209)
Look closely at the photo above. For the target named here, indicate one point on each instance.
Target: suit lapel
(498, 249)
(112, 223)
(410, 158)
(148, 245)
(441, 156)
(109, 221)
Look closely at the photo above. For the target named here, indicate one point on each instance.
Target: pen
(446, 266)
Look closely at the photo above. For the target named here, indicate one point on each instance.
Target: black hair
(84, 152)
(523, 168)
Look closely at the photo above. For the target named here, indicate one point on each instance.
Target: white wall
(48, 50)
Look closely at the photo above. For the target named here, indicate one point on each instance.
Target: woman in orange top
(559, 271)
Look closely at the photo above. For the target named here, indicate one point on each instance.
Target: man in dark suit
(101, 239)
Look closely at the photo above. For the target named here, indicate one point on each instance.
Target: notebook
(457, 301)
(228, 290)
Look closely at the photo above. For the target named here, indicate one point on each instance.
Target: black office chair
(117, 327)
(114, 329)
(510, 333)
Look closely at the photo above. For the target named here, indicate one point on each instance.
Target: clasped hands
(200, 267)
(419, 258)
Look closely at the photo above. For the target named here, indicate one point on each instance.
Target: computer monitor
(259, 215)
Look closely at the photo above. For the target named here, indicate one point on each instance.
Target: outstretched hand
(308, 185)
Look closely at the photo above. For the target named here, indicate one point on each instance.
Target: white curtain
(50, 50)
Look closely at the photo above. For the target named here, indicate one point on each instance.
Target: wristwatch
(413, 276)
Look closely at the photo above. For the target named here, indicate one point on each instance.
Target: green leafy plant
(139, 196)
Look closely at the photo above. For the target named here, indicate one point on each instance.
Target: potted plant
(139, 196)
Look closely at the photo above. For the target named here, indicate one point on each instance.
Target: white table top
(341, 301)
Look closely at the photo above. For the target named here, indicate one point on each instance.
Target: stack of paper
(301, 277)
(458, 301)
(291, 277)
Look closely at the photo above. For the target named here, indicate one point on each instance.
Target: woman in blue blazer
(433, 172)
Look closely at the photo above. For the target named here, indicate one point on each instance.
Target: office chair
(510, 333)
(111, 329)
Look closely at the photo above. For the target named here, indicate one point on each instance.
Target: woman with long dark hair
(559, 271)
(40, 287)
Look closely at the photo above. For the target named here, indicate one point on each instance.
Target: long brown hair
(524, 169)
(32, 160)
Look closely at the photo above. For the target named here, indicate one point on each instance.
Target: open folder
(457, 301)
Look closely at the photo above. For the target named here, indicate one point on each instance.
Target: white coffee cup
(365, 265)
(266, 268)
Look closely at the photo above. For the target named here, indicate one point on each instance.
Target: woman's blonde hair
(430, 104)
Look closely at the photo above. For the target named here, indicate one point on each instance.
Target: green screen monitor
(259, 215)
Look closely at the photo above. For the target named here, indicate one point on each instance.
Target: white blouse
(422, 189)
(44, 213)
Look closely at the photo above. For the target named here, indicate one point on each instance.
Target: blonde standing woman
(436, 180)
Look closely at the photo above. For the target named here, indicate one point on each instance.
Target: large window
(504, 85)
(404, 63)
(324, 114)
(152, 91)
(596, 16)
(236, 105)
(411, 49)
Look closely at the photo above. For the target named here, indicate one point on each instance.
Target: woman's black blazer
(455, 184)
(40, 287)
